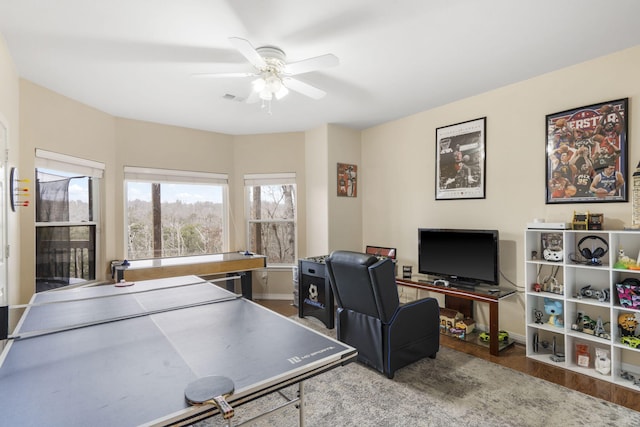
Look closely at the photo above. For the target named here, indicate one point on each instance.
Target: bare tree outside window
(272, 222)
(174, 219)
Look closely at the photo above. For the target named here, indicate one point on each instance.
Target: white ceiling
(135, 58)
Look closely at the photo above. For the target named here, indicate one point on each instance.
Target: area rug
(453, 389)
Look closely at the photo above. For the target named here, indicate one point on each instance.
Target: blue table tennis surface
(133, 371)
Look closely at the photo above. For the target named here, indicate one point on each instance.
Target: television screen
(461, 256)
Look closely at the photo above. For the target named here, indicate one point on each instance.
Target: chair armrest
(423, 314)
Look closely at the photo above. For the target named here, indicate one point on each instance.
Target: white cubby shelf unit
(561, 282)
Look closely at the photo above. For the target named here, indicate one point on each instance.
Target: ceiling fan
(274, 73)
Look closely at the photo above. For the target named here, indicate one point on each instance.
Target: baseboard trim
(283, 297)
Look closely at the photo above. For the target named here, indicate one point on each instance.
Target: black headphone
(593, 257)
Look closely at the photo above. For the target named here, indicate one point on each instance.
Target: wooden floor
(514, 357)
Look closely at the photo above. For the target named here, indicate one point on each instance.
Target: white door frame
(4, 209)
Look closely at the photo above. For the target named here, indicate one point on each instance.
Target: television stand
(486, 294)
(464, 285)
(470, 286)
(463, 305)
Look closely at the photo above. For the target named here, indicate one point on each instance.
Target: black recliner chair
(370, 318)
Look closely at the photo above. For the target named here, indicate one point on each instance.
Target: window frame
(270, 179)
(94, 170)
(174, 176)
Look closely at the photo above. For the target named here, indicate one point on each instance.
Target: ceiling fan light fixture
(270, 86)
(259, 84)
(271, 72)
(274, 83)
(266, 95)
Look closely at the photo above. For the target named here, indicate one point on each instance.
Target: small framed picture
(347, 180)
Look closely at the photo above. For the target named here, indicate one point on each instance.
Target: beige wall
(143, 144)
(317, 189)
(398, 166)
(9, 116)
(395, 166)
(55, 123)
(345, 213)
(272, 153)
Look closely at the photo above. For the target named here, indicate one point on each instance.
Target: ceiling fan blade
(249, 52)
(253, 97)
(303, 88)
(219, 75)
(311, 64)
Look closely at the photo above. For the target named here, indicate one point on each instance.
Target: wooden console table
(479, 293)
(199, 265)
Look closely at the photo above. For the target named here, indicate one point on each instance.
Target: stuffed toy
(554, 309)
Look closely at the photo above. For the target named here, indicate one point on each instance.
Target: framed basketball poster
(460, 160)
(586, 154)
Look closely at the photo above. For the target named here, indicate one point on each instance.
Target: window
(271, 216)
(175, 213)
(67, 225)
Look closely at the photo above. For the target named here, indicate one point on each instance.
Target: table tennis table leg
(245, 283)
(298, 401)
(301, 404)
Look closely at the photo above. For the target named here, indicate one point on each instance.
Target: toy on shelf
(462, 328)
(595, 327)
(554, 309)
(538, 315)
(579, 324)
(468, 325)
(596, 221)
(556, 355)
(583, 358)
(449, 317)
(603, 361)
(633, 342)
(630, 377)
(452, 322)
(580, 221)
(503, 336)
(602, 295)
(627, 322)
(551, 244)
(549, 283)
(629, 293)
(599, 330)
(624, 262)
(587, 221)
(589, 326)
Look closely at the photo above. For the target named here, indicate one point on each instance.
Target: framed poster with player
(460, 160)
(586, 154)
(347, 176)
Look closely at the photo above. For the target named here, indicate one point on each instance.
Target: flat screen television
(464, 257)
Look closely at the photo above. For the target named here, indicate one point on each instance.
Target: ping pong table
(133, 350)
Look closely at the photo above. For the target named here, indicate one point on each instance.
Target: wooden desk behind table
(200, 265)
(480, 293)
